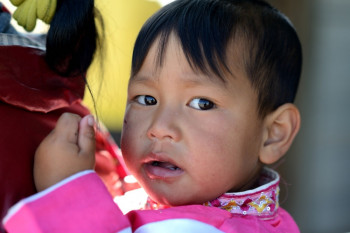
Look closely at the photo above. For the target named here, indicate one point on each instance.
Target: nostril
(151, 134)
(158, 134)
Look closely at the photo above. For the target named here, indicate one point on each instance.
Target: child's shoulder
(200, 218)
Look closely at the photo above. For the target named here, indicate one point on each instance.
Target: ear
(281, 127)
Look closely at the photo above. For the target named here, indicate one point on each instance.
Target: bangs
(200, 29)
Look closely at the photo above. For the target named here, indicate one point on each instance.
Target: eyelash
(203, 104)
(206, 104)
(146, 98)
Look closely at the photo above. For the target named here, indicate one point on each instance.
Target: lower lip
(155, 172)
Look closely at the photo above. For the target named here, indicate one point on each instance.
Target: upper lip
(159, 157)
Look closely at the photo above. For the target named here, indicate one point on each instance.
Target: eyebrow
(188, 80)
(142, 79)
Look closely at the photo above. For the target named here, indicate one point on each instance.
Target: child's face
(189, 138)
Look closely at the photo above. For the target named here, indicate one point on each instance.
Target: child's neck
(251, 182)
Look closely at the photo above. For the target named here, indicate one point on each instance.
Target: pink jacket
(81, 203)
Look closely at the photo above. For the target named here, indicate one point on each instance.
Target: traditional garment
(81, 203)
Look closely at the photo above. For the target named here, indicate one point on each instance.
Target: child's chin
(167, 200)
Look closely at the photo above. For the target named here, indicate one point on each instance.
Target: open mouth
(165, 165)
(159, 169)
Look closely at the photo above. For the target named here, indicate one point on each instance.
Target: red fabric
(4, 9)
(32, 98)
(26, 81)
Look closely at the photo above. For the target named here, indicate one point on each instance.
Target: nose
(165, 125)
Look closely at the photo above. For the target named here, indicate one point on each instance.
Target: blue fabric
(10, 36)
(5, 25)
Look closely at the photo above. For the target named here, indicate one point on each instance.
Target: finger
(67, 127)
(86, 137)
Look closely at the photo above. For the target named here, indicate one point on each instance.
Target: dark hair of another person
(73, 38)
(270, 54)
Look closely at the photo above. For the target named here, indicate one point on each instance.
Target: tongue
(162, 170)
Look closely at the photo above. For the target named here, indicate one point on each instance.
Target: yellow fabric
(123, 20)
(28, 11)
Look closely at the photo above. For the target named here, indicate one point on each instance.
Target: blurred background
(315, 186)
(316, 169)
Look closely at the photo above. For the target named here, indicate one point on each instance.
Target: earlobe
(281, 127)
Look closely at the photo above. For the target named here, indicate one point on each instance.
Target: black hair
(264, 42)
(73, 39)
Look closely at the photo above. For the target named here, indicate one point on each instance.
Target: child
(209, 103)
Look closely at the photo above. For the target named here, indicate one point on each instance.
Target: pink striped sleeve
(81, 203)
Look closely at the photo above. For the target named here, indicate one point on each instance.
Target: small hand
(68, 149)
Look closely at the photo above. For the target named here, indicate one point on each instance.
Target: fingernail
(91, 121)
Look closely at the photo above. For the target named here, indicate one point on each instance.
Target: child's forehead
(228, 66)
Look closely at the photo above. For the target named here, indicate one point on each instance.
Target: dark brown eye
(146, 100)
(201, 104)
